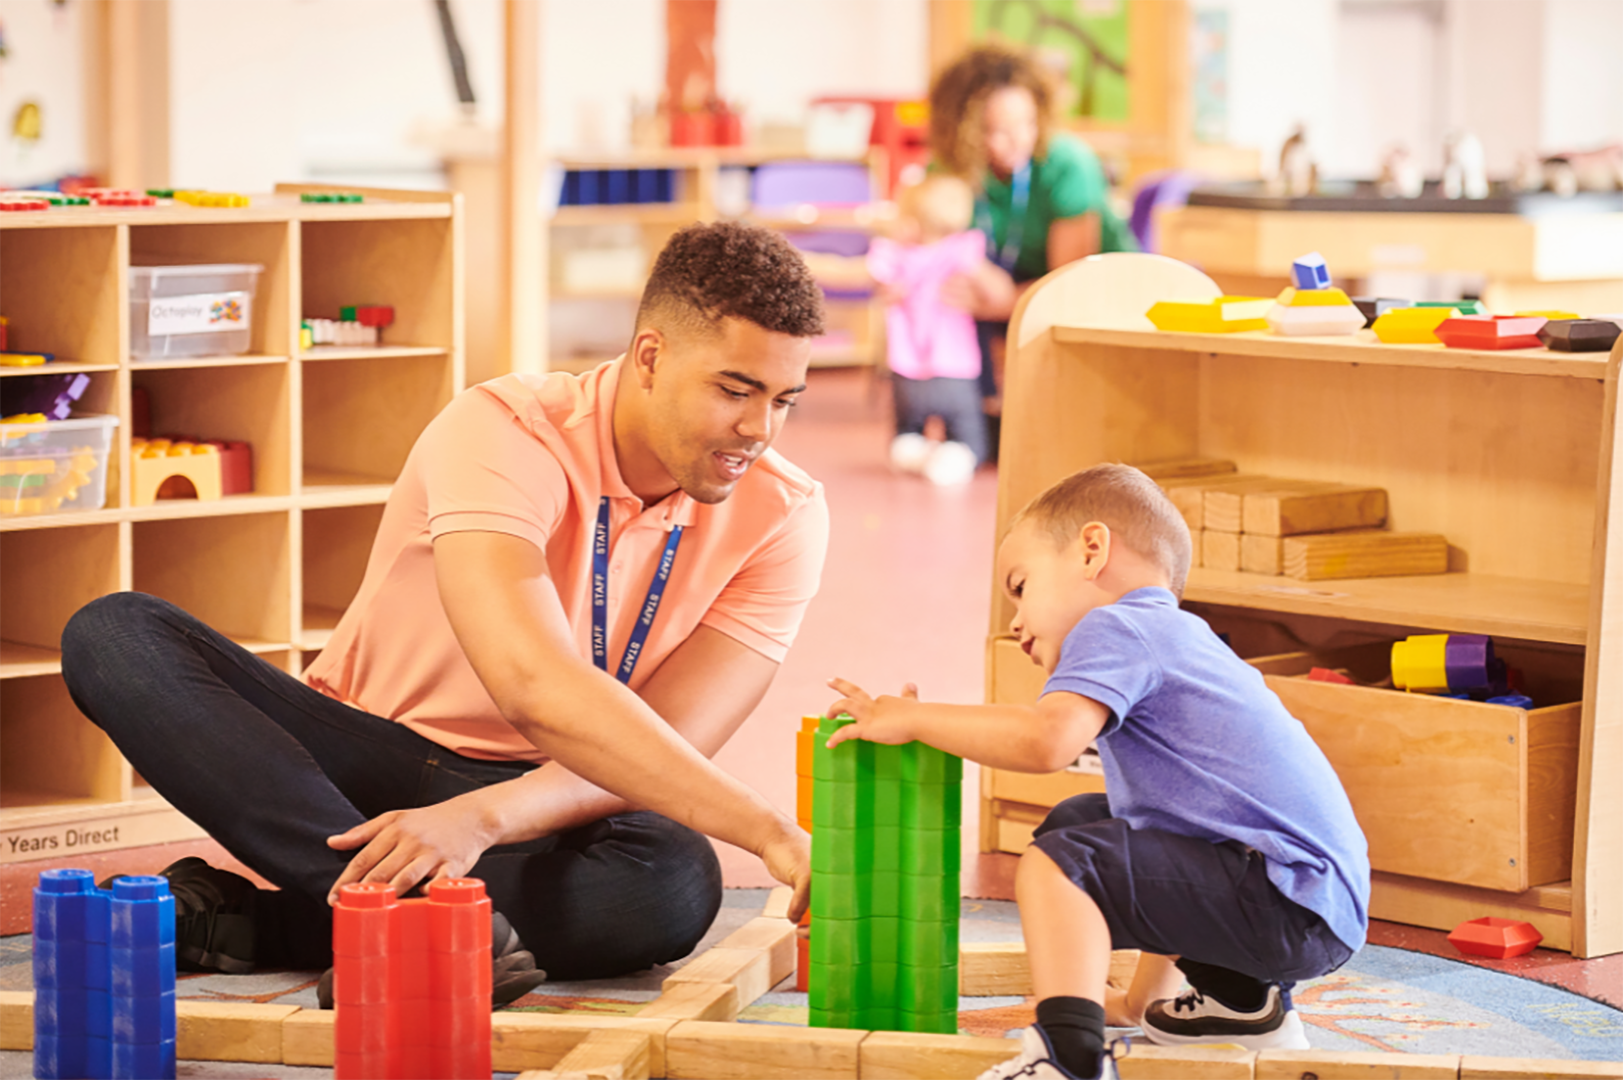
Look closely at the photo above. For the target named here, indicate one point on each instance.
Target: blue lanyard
(600, 597)
(1019, 195)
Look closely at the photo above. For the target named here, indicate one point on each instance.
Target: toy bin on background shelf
(54, 466)
(202, 310)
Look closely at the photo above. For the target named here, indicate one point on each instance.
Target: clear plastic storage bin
(192, 310)
(54, 466)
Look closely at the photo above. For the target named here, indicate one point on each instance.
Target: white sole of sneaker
(1289, 1035)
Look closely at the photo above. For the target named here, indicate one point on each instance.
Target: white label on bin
(204, 313)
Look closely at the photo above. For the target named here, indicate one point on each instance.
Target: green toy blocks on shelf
(1464, 307)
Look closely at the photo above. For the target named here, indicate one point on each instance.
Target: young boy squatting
(1225, 849)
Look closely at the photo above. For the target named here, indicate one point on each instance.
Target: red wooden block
(1495, 938)
(1491, 331)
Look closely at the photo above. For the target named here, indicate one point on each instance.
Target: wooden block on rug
(994, 968)
(307, 1038)
(520, 1042)
(775, 937)
(695, 1050)
(1473, 1067)
(16, 1020)
(750, 970)
(908, 1055)
(230, 1031)
(602, 1055)
(1364, 553)
(1144, 1061)
(695, 1001)
(1354, 1065)
(777, 903)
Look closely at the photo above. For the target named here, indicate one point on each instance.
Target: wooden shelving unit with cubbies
(330, 429)
(1470, 809)
(856, 324)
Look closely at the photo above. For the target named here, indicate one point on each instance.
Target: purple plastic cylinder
(1468, 658)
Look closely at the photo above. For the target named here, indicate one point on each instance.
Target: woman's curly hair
(708, 272)
(958, 100)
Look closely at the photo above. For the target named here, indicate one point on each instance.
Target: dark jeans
(1211, 904)
(271, 768)
(956, 401)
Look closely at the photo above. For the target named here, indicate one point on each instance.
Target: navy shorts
(1179, 896)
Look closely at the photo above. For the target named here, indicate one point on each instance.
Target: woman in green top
(1042, 199)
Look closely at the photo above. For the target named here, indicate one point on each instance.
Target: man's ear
(646, 348)
(1093, 544)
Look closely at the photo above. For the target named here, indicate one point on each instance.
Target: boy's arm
(1039, 738)
(839, 271)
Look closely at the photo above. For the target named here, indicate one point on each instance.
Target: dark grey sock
(1076, 1031)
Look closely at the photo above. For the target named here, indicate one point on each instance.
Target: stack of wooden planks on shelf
(1311, 530)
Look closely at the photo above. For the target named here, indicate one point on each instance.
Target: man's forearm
(545, 802)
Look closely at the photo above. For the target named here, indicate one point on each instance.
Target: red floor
(905, 597)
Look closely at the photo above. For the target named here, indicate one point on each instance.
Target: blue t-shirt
(1199, 746)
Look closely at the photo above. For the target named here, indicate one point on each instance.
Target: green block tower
(885, 891)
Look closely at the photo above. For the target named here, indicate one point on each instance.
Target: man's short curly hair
(958, 103)
(710, 272)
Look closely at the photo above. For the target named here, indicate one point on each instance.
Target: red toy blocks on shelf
(411, 983)
(1491, 332)
(1497, 939)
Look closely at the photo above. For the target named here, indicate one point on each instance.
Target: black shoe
(214, 926)
(513, 972)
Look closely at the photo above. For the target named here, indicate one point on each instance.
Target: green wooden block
(932, 852)
(930, 897)
(932, 806)
(840, 941)
(926, 765)
(927, 989)
(925, 943)
(1464, 307)
(936, 1023)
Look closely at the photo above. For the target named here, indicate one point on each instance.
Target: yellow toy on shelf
(31, 484)
(1411, 325)
(1225, 315)
(153, 462)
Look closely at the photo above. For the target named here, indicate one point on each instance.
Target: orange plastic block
(1496, 938)
(154, 462)
(1225, 315)
(411, 983)
(1492, 331)
(1411, 325)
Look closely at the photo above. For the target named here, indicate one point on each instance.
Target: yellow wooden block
(230, 1031)
(1261, 554)
(695, 1001)
(1332, 297)
(777, 903)
(1364, 553)
(16, 1020)
(1219, 550)
(602, 1055)
(1473, 1067)
(1224, 315)
(910, 1055)
(695, 1050)
(999, 968)
(1313, 508)
(307, 1038)
(523, 1041)
(1144, 1061)
(1185, 468)
(750, 970)
(1411, 325)
(1354, 1065)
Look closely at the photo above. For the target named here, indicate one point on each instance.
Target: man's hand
(881, 720)
(407, 847)
(788, 858)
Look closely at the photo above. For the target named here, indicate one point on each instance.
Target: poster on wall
(1209, 67)
(1082, 42)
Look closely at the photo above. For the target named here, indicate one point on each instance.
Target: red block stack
(411, 983)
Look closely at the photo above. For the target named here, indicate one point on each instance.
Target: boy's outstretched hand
(881, 720)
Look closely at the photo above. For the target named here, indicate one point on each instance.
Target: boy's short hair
(942, 204)
(1137, 511)
(710, 272)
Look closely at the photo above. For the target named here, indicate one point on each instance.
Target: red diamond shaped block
(1497, 939)
(1491, 331)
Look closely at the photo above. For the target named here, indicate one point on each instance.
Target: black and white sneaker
(1036, 1062)
(1192, 1018)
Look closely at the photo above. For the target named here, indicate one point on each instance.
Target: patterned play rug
(1385, 999)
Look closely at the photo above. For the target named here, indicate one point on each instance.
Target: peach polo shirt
(531, 456)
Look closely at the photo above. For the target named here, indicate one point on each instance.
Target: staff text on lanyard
(600, 597)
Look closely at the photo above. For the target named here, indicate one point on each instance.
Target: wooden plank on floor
(993, 968)
(696, 1050)
(16, 1020)
(1354, 1065)
(695, 1001)
(1144, 1061)
(307, 1038)
(520, 1042)
(602, 1055)
(908, 1055)
(1474, 1067)
(775, 937)
(750, 970)
(777, 903)
(230, 1031)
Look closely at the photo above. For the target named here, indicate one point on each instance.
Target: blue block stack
(142, 949)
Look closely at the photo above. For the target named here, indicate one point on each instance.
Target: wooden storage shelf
(1470, 808)
(244, 564)
(636, 213)
(55, 367)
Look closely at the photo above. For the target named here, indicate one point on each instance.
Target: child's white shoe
(909, 452)
(1036, 1062)
(1192, 1018)
(950, 464)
